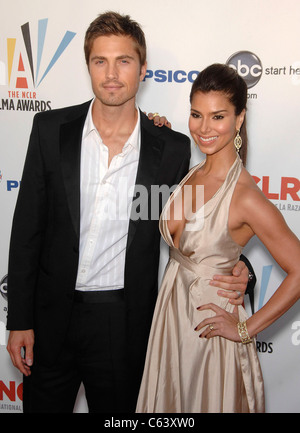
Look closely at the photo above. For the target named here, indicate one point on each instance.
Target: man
(83, 281)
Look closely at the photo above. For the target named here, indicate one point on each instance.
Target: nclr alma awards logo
(24, 69)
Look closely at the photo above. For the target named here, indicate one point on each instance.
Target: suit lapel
(148, 167)
(70, 150)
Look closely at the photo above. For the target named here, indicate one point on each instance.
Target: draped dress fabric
(184, 373)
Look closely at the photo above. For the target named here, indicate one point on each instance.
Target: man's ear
(143, 71)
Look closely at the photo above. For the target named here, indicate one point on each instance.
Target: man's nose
(111, 71)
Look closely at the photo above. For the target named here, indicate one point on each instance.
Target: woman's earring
(238, 141)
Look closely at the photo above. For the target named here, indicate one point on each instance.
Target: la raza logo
(23, 69)
(285, 195)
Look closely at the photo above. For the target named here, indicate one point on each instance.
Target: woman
(201, 353)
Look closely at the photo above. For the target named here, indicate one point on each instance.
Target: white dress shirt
(105, 201)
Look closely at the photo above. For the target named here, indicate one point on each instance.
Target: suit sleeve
(184, 168)
(252, 276)
(26, 237)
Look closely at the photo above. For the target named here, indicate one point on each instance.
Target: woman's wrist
(243, 332)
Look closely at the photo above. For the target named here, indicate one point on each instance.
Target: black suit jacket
(44, 249)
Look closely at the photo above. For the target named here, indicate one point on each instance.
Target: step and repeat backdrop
(42, 67)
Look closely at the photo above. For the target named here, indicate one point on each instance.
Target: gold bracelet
(243, 333)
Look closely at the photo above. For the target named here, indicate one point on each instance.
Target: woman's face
(213, 123)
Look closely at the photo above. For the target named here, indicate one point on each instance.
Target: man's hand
(235, 285)
(159, 120)
(17, 341)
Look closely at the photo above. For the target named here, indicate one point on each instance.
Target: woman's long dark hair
(223, 78)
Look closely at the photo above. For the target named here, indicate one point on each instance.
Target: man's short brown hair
(112, 23)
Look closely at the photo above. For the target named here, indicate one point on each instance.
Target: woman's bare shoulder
(249, 198)
(246, 188)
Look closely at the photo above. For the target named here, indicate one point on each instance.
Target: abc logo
(3, 287)
(247, 66)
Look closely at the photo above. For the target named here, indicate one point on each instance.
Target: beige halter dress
(184, 373)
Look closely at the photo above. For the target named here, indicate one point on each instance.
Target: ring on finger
(156, 115)
(211, 326)
(239, 294)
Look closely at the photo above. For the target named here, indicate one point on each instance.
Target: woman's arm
(259, 216)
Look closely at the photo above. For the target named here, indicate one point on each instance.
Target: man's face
(115, 70)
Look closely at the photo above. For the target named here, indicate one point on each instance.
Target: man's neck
(115, 124)
(114, 120)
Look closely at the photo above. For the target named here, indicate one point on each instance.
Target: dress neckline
(181, 184)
